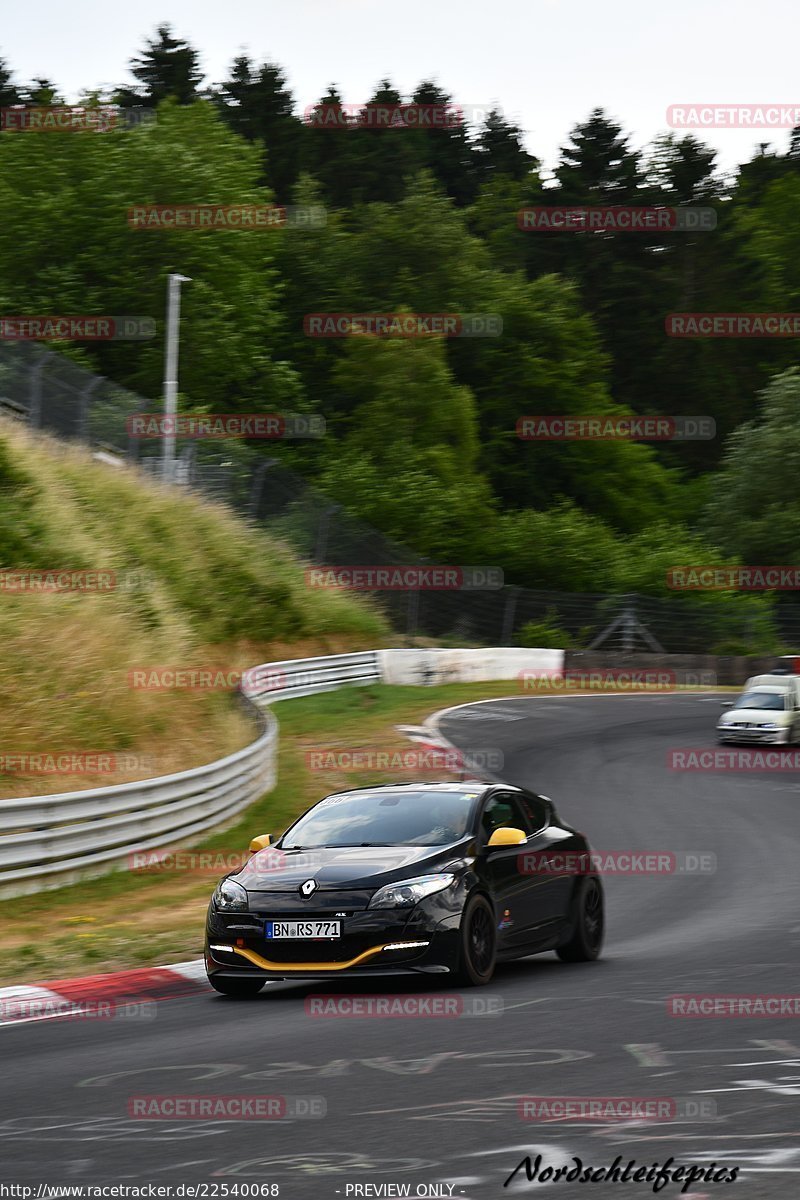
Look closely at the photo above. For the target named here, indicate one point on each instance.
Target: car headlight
(230, 896)
(771, 725)
(409, 892)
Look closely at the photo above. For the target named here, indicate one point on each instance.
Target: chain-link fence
(50, 392)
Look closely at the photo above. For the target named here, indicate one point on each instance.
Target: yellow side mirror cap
(506, 835)
(260, 843)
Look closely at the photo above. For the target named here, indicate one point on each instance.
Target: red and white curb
(120, 994)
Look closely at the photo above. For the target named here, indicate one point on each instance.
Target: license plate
(303, 929)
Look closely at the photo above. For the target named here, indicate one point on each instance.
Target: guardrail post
(321, 548)
(35, 390)
(413, 612)
(258, 485)
(509, 614)
(83, 426)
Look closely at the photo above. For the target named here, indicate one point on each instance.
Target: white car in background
(767, 712)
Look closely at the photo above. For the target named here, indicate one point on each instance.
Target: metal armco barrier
(305, 676)
(50, 841)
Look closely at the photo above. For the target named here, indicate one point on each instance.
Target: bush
(546, 633)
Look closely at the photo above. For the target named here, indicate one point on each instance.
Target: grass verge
(172, 580)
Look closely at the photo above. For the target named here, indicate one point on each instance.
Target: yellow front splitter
(285, 968)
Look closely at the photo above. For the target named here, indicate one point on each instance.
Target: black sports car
(432, 879)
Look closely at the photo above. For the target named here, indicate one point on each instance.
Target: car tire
(585, 940)
(478, 943)
(239, 988)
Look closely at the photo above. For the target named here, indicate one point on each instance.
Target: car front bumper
(437, 957)
(373, 942)
(753, 735)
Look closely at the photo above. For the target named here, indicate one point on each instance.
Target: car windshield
(770, 700)
(385, 818)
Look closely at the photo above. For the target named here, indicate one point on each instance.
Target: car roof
(768, 683)
(470, 785)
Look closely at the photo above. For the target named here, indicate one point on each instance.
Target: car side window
(503, 808)
(536, 811)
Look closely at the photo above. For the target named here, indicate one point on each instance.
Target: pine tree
(258, 105)
(598, 166)
(500, 150)
(9, 93)
(167, 67)
(448, 152)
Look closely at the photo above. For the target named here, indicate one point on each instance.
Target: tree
(167, 67)
(597, 165)
(329, 152)
(40, 92)
(754, 512)
(74, 252)
(549, 361)
(682, 171)
(356, 157)
(408, 462)
(9, 92)
(257, 104)
(766, 167)
(386, 157)
(500, 152)
(447, 152)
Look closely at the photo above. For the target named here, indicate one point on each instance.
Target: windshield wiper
(354, 845)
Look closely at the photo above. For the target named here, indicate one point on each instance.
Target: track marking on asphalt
(653, 1054)
(527, 1003)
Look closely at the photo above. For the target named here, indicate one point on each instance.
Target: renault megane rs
(425, 879)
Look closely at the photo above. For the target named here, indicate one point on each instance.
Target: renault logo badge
(308, 888)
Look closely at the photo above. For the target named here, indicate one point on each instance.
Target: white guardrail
(49, 841)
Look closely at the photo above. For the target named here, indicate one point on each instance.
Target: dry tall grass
(203, 589)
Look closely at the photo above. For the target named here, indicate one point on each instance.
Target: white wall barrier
(466, 666)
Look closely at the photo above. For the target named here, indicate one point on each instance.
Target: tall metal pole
(171, 370)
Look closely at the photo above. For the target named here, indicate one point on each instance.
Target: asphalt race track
(433, 1103)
